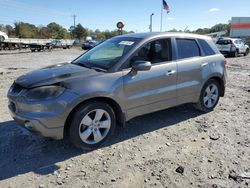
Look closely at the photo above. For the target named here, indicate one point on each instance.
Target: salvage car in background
(87, 45)
(123, 77)
(3, 36)
(58, 44)
(232, 47)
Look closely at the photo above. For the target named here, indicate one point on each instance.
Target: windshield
(107, 54)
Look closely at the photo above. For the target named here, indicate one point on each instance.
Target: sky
(104, 14)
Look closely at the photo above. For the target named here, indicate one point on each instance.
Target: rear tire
(247, 52)
(209, 97)
(92, 125)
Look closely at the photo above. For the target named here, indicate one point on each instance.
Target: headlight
(44, 92)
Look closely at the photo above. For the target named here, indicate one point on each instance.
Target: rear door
(190, 65)
(155, 89)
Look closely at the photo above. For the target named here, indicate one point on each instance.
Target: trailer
(34, 44)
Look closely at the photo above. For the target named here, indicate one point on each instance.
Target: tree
(79, 32)
(9, 30)
(61, 34)
(44, 33)
(202, 31)
(220, 27)
(25, 30)
(56, 31)
(173, 30)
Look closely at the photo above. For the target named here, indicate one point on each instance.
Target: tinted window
(224, 42)
(241, 42)
(206, 47)
(237, 42)
(187, 48)
(156, 52)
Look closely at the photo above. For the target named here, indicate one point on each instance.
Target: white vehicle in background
(3, 36)
(232, 46)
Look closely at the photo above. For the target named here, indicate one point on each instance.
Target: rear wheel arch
(221, 84)
(120, 117)
(246, 52)
(209, 95)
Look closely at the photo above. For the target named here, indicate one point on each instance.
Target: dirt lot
(207, 150)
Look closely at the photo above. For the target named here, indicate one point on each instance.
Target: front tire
(92, 125)
(236, 53)
(209, 97)
(2, 38)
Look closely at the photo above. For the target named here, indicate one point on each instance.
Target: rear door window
(187, 48)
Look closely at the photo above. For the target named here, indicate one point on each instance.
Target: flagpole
(161, 14)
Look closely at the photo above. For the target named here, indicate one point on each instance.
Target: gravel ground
(178, 147)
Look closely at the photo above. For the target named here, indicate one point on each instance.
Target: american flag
(165, 6)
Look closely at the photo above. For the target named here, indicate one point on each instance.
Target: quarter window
(206, 47)
(187, 48)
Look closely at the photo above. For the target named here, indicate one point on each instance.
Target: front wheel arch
(120, 117)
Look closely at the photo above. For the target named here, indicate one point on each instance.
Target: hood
(54, 74)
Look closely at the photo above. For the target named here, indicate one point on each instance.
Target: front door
(152, 90)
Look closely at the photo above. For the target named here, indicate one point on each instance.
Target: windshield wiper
(87, 65)
(84, 64)
(99, 69)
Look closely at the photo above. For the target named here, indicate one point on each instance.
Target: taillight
(225, 62)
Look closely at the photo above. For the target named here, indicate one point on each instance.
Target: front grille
(16, 88)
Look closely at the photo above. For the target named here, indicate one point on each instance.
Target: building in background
(240, 27)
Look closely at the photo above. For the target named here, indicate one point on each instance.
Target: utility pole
(151, 22)
(74, 17)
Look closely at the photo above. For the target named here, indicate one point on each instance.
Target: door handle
(170, 72)
(204, 64)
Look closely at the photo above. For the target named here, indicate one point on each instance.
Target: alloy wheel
(95, 126)
(211, 95)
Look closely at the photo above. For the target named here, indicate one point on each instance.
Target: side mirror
(141, 66)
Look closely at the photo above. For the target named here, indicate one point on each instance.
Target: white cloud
(171, 18)
(214, 10)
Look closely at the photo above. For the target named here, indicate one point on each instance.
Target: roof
(228, 38)
(164, 34)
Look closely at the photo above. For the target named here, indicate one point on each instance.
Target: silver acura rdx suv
(121, 78)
